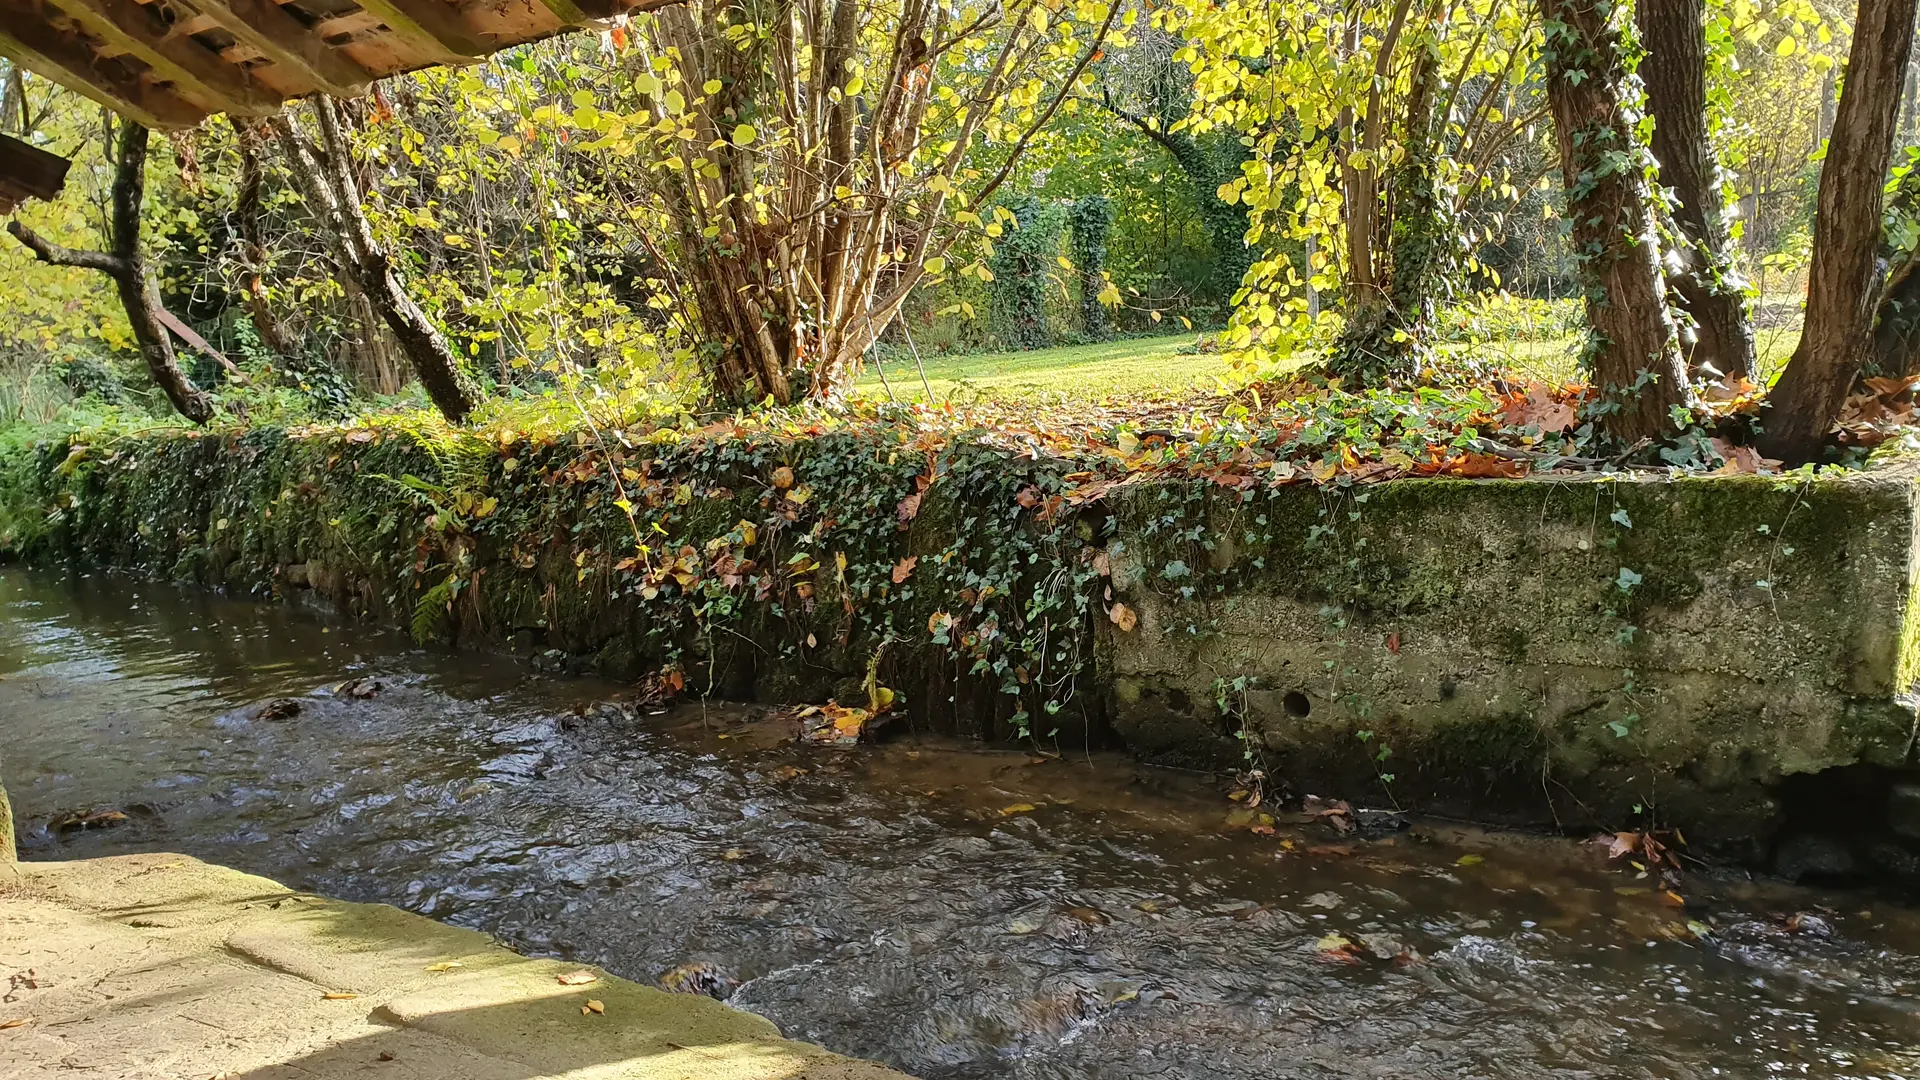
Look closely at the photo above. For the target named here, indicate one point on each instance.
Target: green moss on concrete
(1521, 645)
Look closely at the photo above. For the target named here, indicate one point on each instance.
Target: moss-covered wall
(763, 565)
(1587, 652)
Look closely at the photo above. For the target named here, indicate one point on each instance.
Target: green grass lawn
(1136, 367)
(1156, 367)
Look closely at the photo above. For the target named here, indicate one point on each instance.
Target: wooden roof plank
(290, 44)
(28, 172)
(430, 27)
(175, 57)
(28, 36)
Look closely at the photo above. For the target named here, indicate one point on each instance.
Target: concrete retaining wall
(1586, 653)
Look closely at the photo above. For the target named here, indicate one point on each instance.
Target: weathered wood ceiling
(173, 63)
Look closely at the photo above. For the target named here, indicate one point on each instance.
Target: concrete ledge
(1573, 652)
(162, 965)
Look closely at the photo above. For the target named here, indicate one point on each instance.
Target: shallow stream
(951, 911)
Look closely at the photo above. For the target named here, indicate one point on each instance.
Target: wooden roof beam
(27, 35)
(28, 172)
(284, 40)
(432, 27)
(175, 57)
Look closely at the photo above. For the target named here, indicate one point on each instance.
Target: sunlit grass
(1170, 366)
(1135, 367)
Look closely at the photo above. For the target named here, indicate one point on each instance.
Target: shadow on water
(957, 913)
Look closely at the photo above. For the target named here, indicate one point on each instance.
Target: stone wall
(1581, 652)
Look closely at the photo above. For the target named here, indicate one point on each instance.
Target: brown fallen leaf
(903, 569)
(338, 995)
(908, 509)
(1123, 617)
(16, 1022)
(594, 1006)
(577, 978)
(1539, 408)
(783, 478)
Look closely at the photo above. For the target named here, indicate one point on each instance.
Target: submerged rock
(699, 978)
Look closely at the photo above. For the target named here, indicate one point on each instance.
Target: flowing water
(951, 911)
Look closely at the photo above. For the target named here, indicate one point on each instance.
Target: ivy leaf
(1626, 580)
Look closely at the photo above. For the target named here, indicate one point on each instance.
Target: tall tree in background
(1149, 89)
(1633, 349)
(814, 157)
(253, 244)
(1709, 289)
(127, 265)
(1364, 130)
(324, 175)
(1896, 337)
(1844, 282)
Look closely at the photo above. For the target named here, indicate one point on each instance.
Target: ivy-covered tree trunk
(126, 265)
(326, 182)
(1843, 284)
(1092, 219)
(1896, 334)
(1206, 169)
(1389, 331)
(1023, 264)
(1710, 290)
(1633, 349)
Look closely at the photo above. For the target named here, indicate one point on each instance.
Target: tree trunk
(1843, 282)
(133, 280)
(13, 103)
(1896, 334)
(254, 250)
(1910, 109)
(1390, 322)
(1896, 340)
(326, 181)
(139, 294)
(1633, 349)
(1675, 72)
